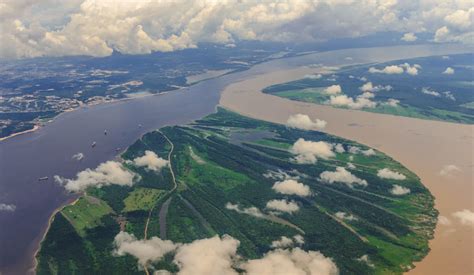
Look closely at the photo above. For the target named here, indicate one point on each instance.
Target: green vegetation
(86, 213)
(226, 158)
(142, 199)
(451, 99)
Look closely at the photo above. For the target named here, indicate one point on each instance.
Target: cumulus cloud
(252, 211)
(449, 170)
(430, 92)
(339, 148)
(411, 70)
(291, 187)
(392, 102)
(465, 216)
(369, 87)
(151, 161)
(283, 242)
(343, 176)
(449, 70)
(7, 207)
(146, 251)
(345, 101)
(78, 156)
(397, 69)
(351, 165)
(304, 122)
(398, 190)
(283, 206)
(386, 173)
(333, 89)
(208, 256)
(218, 255)
(291, 261)
(409, 37)
(344, 216)
(32, 28)
(392, 69)
(357, 150)
(308, 151)
(107, 173)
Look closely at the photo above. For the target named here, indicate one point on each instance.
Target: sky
(31, 28)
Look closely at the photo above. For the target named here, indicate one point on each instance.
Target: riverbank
(424, 147)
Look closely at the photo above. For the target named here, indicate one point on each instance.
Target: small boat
(43, 178)
(105, 132)
(117, 149)
(94, 144)
(140, 125)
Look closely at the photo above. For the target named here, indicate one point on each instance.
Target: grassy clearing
(86, 213)
(142, 199)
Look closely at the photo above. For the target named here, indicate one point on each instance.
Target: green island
(430, 93)
(226, 164)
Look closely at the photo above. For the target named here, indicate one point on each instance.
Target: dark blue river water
(48, 151)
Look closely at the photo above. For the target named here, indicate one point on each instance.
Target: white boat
(43, 178)
(94, 144)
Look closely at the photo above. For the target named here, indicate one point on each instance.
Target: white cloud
(428, 91)
(146, 251)
(397, 69)
(294, 262)
(409, 37)
(344, 216)
(333, 89)
(449, 170)
(283, 206)
(32, 28)
(313, 76)
(151, 161)
(386, 173)
(398, 190)
(357, 150)
(283, 242)
(304, 122)
(350, 166)
(449, 70)
(411, 70)
(291, 187)
(107, 173)
(308, 151)
(392, 69)
(359, 103)
(252, 211)
(78, 156)
(218, 255)
(208, 256)
(343, 176)
(444, 220)
(339, 148)
(449, 95)
(465, 216)
(392, 102)
(7, 207)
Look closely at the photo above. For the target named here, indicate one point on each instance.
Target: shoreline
(423, 146)
(32, 270)
(35, 128)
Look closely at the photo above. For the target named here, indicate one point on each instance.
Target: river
(48, 151)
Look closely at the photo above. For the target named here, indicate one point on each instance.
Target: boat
(105, 132)
(43, 178)
(94, 144)
(117, 149)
